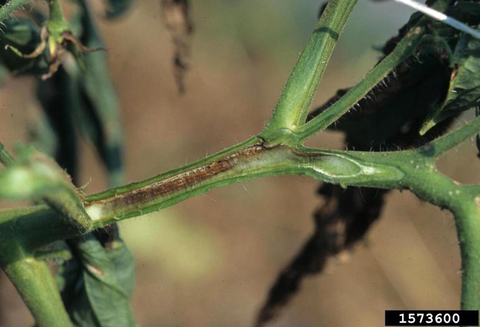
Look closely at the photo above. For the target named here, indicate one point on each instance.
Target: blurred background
(210, 260)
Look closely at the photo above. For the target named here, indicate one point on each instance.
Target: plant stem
(39, 225)
(292, 107)
(403, 50)
(249, 162)
(464, 202)
(467, 219)
(36, 286)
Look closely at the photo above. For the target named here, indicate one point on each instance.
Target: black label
(431, 318)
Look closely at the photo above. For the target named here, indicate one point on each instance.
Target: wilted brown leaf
(176, 15)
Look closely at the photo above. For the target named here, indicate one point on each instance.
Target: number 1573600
(431, 318)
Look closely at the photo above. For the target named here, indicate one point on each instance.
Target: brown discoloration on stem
(184, 180)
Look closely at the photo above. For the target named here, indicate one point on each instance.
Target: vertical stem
(464, 202)
(292, 107)
(36, 286)
(402, 51)
(467, 219)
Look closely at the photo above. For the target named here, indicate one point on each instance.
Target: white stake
(441, 17)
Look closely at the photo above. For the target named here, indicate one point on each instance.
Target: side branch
(444, 143)
(294, 103)
(402, 51)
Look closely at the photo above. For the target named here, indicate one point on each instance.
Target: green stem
(403, 50)
(36, 286)
(464, 202)
(8, 8)
(294, 103)
(467, 219)
(39, 225)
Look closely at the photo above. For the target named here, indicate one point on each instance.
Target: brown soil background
(210, 260)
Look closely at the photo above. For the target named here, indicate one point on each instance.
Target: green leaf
(464, 88)
(97, 288)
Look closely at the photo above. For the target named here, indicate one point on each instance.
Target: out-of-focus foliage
(23, 34)
(96, 281)
(117, 8)
(38, 178)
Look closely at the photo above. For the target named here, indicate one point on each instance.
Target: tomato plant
(428, 75)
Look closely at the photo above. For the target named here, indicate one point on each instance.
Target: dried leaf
(176, 15)
(343, 220)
